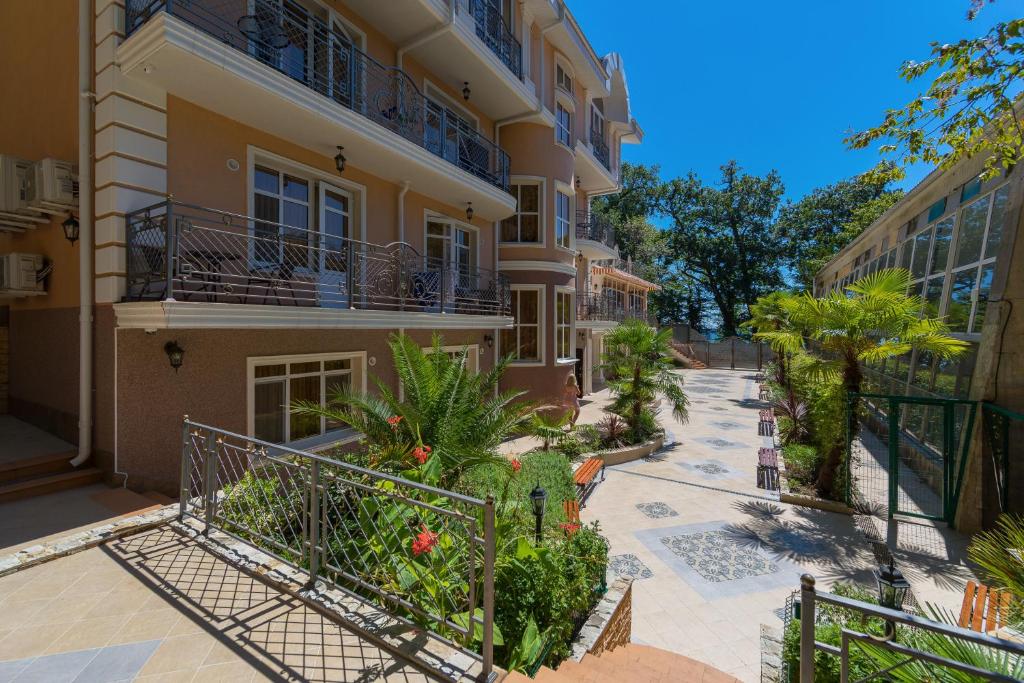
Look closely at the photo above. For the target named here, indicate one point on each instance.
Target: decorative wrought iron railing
(907, 646)
(602, 307)
(186, 252)
(496, 34)
(289, 39)
(423, 553)
(601, 151)
(595, 227)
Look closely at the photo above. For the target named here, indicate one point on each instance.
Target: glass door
(335, 235)
(451, 250)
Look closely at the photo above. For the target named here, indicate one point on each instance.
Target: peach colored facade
(213, 135)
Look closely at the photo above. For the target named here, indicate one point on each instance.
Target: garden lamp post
(892, 591)
(539, 498)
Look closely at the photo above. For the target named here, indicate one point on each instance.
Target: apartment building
(960, 237)
(265, 190)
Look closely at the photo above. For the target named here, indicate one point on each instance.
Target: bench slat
(965, 609)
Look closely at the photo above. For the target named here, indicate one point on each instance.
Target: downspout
(401, 210)
(539, 109)
(426, 38)
(85, 221)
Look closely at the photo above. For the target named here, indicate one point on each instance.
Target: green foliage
(1000, 553)
(970, 109)
(549, 425)
(613, 430)
(261, 506)
(639, 361)
(550, 469)
(821, 223)
(454, 411)
(638, 198)
(802, 464)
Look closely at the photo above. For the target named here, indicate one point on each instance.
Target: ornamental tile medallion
(656, 510)
(629, 565)
(716, 558)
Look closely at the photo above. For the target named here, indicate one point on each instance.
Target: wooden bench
(766, 415)
(572, 516)
(985, 609)
(585, 477)
(765, 428)
(764, 393)
(768, 469)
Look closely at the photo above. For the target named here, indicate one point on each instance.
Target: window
(596, 122)
(974, 261)
(970, 190)
(563, 325)
(563, 79)
(563, 125)
(523, 340)
(275, 383)
(562, 222)
(283, 210)
(524, 225)
(451, 244)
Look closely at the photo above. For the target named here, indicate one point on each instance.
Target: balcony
(492, 29)
(594, 167)
(601, 151)
(188, 253)
(604, 308)
(289, 73)
(595, 236)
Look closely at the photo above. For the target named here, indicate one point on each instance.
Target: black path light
(70, 227)
(892, 590)
(539, 498)
(175, 354)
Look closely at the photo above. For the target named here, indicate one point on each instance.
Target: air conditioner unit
(13, 182)
(52, 182)
(18, 272)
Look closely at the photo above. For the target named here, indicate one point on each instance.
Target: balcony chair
(272, 278)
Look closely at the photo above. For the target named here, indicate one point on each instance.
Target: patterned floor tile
(716, 558)
(629, 565)
(656, 510)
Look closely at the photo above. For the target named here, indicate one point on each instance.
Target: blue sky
(770, 84)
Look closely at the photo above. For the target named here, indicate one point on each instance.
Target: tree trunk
(852, 378)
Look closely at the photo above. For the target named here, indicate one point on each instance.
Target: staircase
(630, 663)
(684, 353)
(42, 474)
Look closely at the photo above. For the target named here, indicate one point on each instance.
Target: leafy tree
(638, 198)
(971, 108)
(873, 320)
(770, 313)
(724, 238)
(454, 411)
(817, 226)
(638, 360)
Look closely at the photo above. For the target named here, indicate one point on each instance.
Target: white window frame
(472, 357)
(567, 190)
(325, 438)
(541, 184)
(541, 291)
(563, 102)
(566, 328)
(431, 215)
(568, 71)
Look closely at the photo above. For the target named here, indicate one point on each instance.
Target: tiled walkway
(714, 556)
(156, 607)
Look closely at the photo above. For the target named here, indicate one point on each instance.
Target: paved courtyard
(714, 557)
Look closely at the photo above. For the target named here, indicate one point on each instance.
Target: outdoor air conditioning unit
(13, 182)
(52, 182)
(18, 272)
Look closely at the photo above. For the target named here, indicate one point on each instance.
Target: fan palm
(457, 413)
(876, 319)
(770, 313)
(638, 360)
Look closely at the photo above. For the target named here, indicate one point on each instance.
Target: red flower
(516, 465)
(394, 420)
(424, 542)
(421, 453)
(569, 527)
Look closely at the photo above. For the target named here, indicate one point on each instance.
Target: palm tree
(876, 319)
(770, 313)
(638, 360)
(457, 413)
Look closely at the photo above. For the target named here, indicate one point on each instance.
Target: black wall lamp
(70, 226)
(175, 354)
(339, 159)
(465, 90)
(489, 340)
(469, 211)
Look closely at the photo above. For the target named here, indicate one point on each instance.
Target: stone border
(611, 621)
(787, 496)
(84, 540)
(618, 456)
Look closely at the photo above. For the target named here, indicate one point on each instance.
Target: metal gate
(906, 455)
(732, 353)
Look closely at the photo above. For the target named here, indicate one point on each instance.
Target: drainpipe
(539, 110)
(401, 210)
(426, 38)
(85, 221)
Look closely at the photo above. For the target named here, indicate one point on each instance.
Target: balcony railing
(595, 227)
(596, 307)
(190, 253)
(601, 151)
(492, 29)
(303, 47)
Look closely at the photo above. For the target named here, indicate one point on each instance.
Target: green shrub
(802, 464)
(825, 398)
(550, 469)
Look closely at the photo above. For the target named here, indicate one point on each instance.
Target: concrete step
(40, 465)
(38, 486)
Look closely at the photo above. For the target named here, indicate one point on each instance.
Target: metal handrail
(349, 526)
(184, 251)
(601, 150)
(809, 597)
(595, 227)
(594, 306)
(305, 48)
(496, 34)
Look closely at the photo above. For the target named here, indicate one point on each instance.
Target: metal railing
(305, 48)
(595, 227)
(422, 552)
(886, 652)
(1003, 430)
(601, 151)
(496, 34)
(601, 307)
(186, 252)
